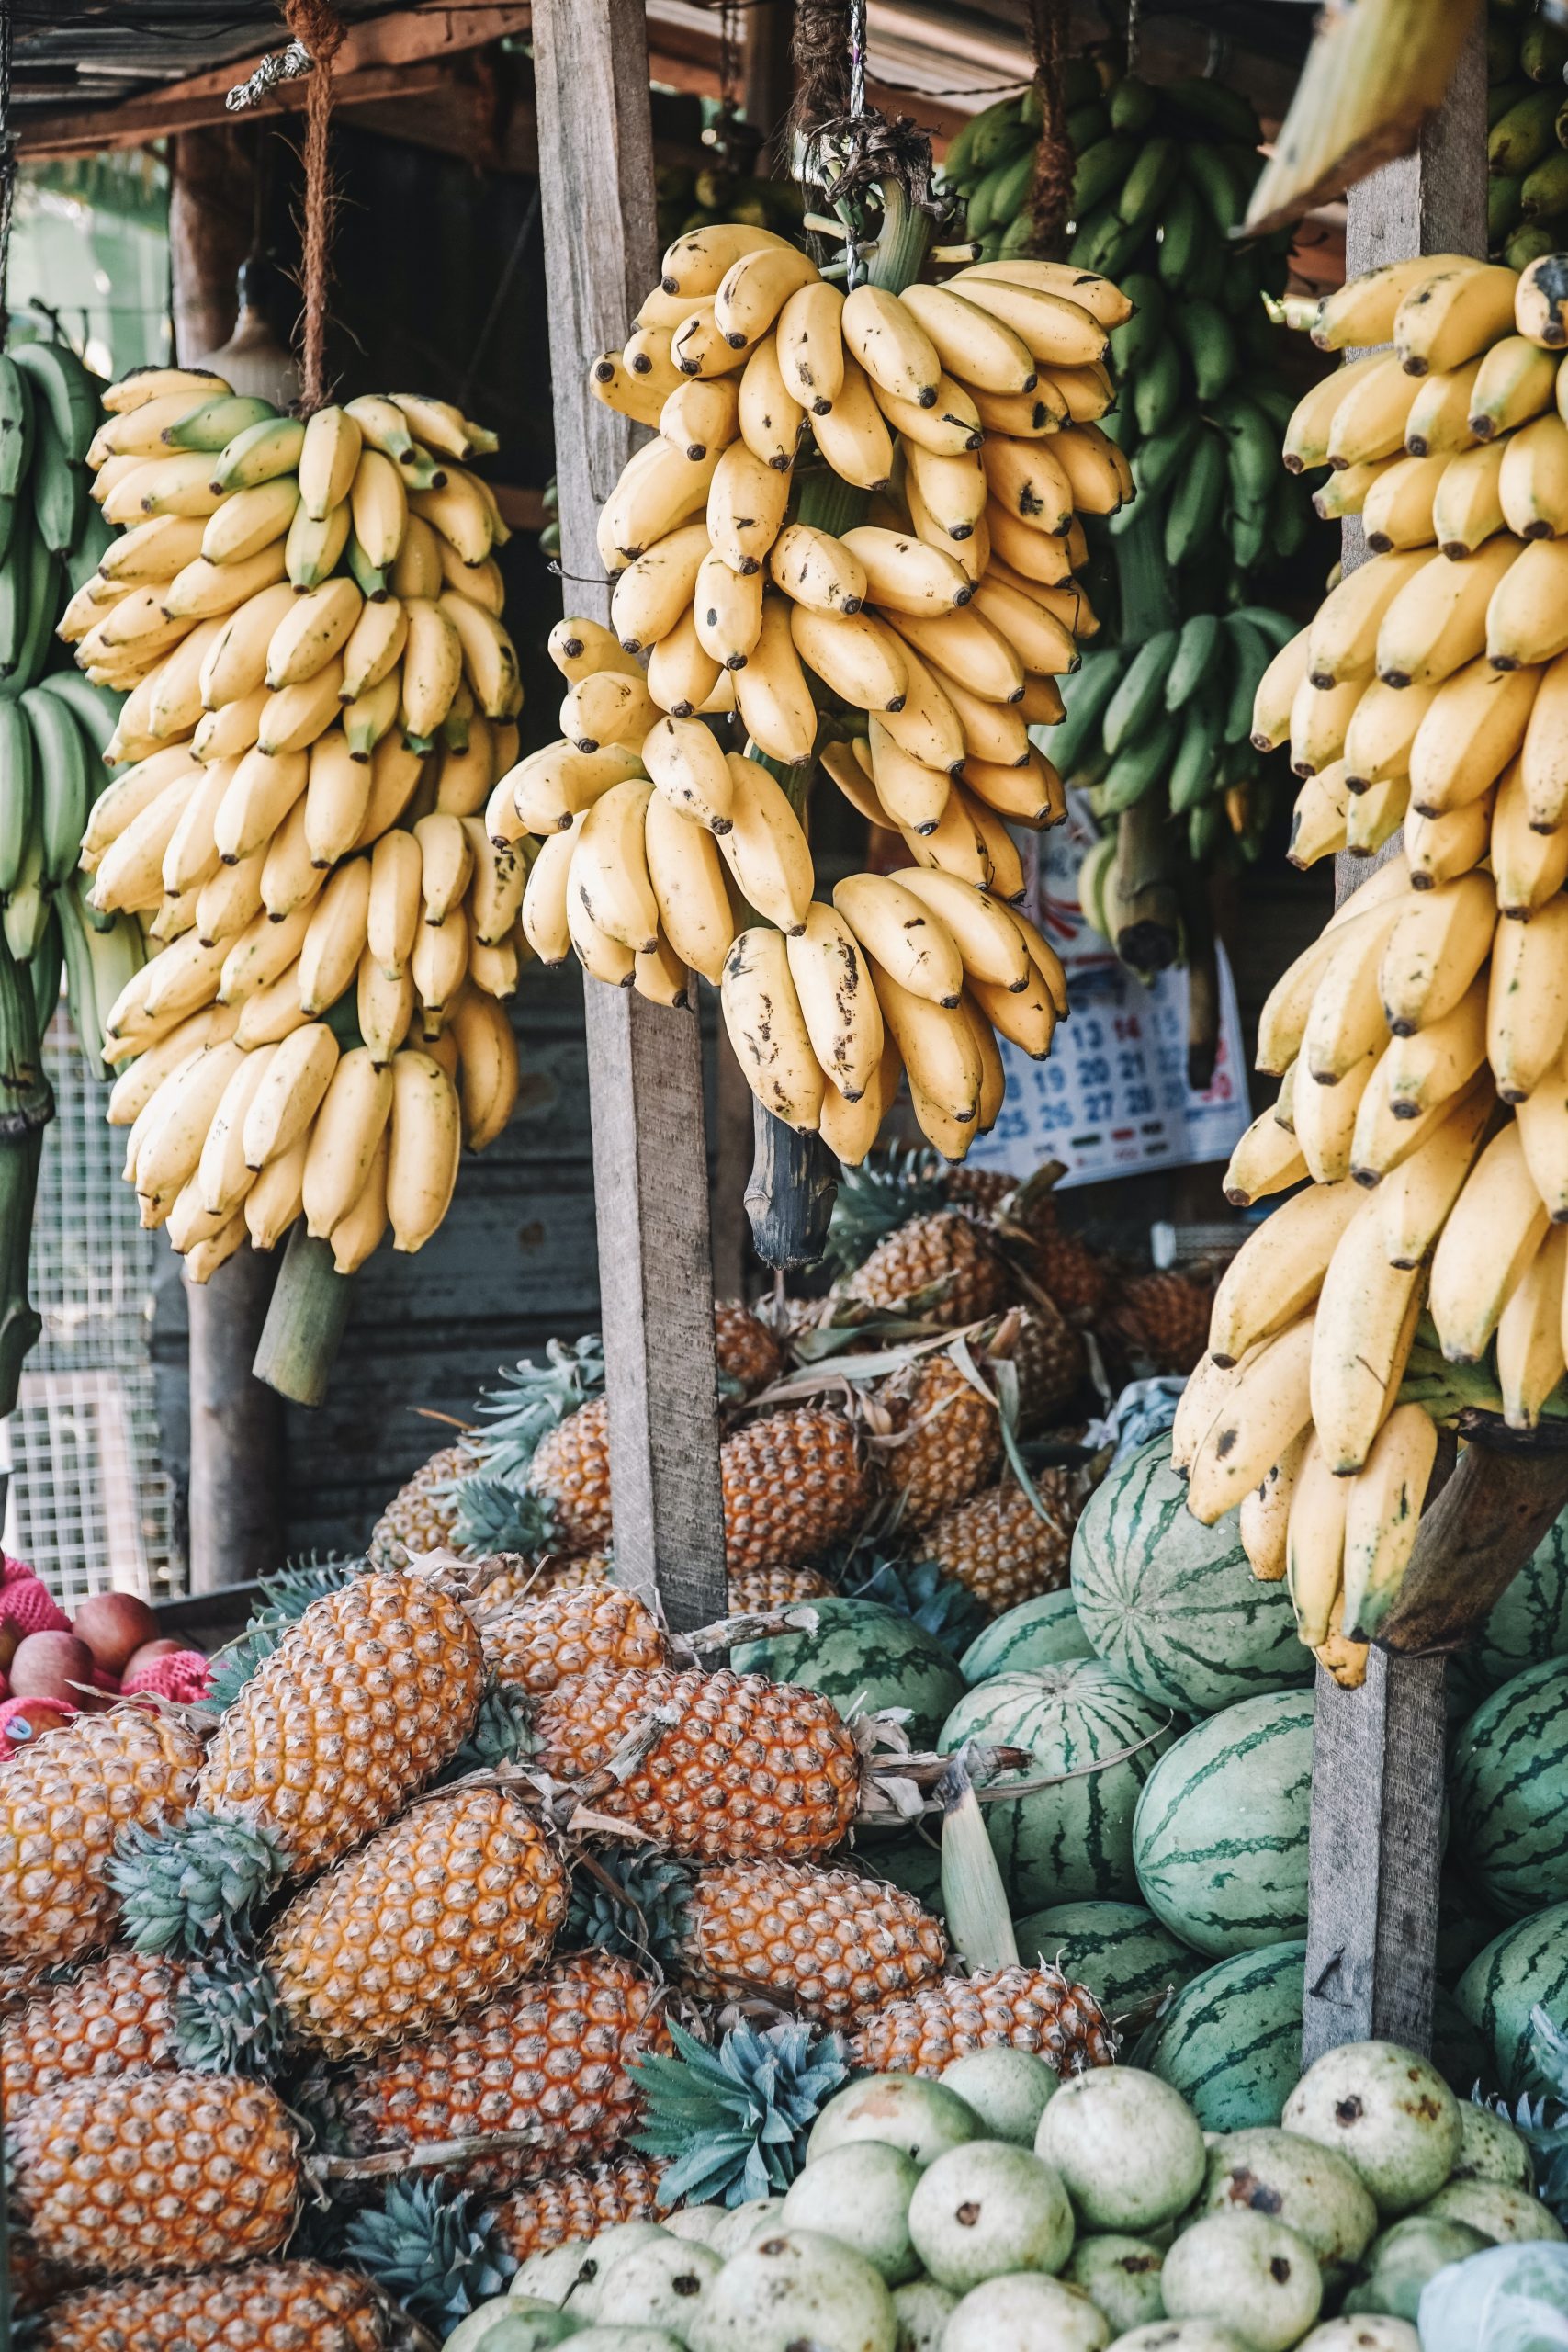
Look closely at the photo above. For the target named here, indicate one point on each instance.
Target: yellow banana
(384, 1007)
(859, 658)
(727, 611)
(696, 265)
(578, 648)
(556, 783)
(681, 676)
(295, 716)
(177, 485)
(1266, 1159)
(1263, 1519)
(609, 867)
(1528, 868)
(395, 773)
(686, 765)
(1492, 1231)
(987, 351)
(1543, 1130)
(1530, 1359)
(949, 427)
(849, 1129)
(438, 967)
(1026, 1017)
(1320, 721)
(192, 852)
(335, 937)
(1441, 848)
(1473, 725)
(229, 732)
(418, 568)
(395, 901)
(488, 1071)
(359, 1233)
(260, 794)
(1364, 1324)
(765, 848)
(1515, 381)
(1527, 1005)
(271, 1013)
(1273, 703)
(1533, 482)
(282, 1107)
(914, 797)
(431, 666)
(1343, 633)
(344, 1139)
(262, 953)
(426, 1144)
(222, 1179)
(490, 657)
(754, 289)
(771, 692)
(1429, 1065)
(1526, 621)
(1278, 1271)
(1314, 1544)
(314, 628)
(235, 665)
(650, 597)
(1435, 950)
(329, 457)
(493, 966)
(258, 454)
(184, 977)
(1397, 507)
(378, 508)
(231, 899)
(1259, 1416)
(1438, 620)
(837, 1002)
(336, 797)
(274, 1200)
(495, 896)
(374, 646)
(545, 924)
(1544, 754)
(168, 1152)
(1467, 506)
(1383, 1513)
(1306, 442)
(1345, 1017)
(769, 416)
(810, 344)
(814, 568)
(1324, 1120)
(1364, 309)
(701, 414)
(1450, 317)
(687, 875)
(1370, 418)
(767, 1028)
(904, 934)
(937, 1044)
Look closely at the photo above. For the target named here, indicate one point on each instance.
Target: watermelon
(1082, 1723)
(1509, 1791)
(1042, 1632)
(1530, 1622)
(1175, 1607)
(1231, 2040)
(1526, 1964)
(1220, 1841)
(863, 1655)
(1118, 1949)
(1463, 1928)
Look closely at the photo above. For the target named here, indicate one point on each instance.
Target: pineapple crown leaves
(227, 2019)
(503, 1733)
(286, 1597)
(1543, 2122)
(638, 1910)
(183, 1888)
(532, 1400)
(875, 1199)
(493, 1515)
(734, 2120)
(918, 1590)
(425, 2246)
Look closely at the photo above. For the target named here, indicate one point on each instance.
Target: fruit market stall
(855, 1753)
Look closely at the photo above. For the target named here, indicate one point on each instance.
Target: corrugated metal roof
(91, 52)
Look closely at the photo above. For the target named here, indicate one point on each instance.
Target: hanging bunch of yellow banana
(305, 619)
(1422, 1041)
(937, 627)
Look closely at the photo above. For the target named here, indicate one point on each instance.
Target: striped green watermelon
(1530, 1622)
(1508, 1791)
(1220, 1842)
(1173, 1606)
(1042, 1632)
(1525, 1964)
(1118, 1949)
(1081, 1723)
(863, 1655)
(1231, 2040)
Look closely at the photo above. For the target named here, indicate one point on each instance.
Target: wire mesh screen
(89, 1504)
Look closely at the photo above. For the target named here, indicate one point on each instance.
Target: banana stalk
(305, 1321)
(27, 1105)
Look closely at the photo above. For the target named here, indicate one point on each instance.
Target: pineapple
(1018, 2008)
(156, 2172)
(827, 1944)
(577, 2205)
(549, 2061)
(33, 2281)
(1075, 1277)
(555, 1572)
(947, 1438)
(1000, 1548)
(758, 1591)
(794, 1483)
(570, 1471)
(422, 1515)
(748, 1354)
(536, 1643)
(443, 1910)
(363, 1700)
(948, 1248)
(63, 1801)
(1050, 1359)
(738, 1765)
(1163, 1318)
(114, 2017)
(981, 1191)
(254, 2307)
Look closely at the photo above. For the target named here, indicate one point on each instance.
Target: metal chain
(854, 265)
(7, 167)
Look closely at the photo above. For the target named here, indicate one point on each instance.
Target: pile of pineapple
(373, 1914)
(916, 1472)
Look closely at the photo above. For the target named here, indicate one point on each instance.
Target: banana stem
(305, 1321)
(793, 1180)
(27, 1105)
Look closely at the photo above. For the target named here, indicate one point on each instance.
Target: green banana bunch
(1526, 146)
(1157, 715)
(688, 197)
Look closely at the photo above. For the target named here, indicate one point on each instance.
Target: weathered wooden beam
(212, 175)
(379, 59)
(645, 1061)
(1473, 1539)
(1376, 1781)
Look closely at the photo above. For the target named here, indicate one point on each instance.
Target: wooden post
(236, 1430)
(644, 1061)
(1377, 1782)
(769, 71)
(211, 202)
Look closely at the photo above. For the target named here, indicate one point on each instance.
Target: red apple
(48, 1665)
(165, 1647)
(114, 1626)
